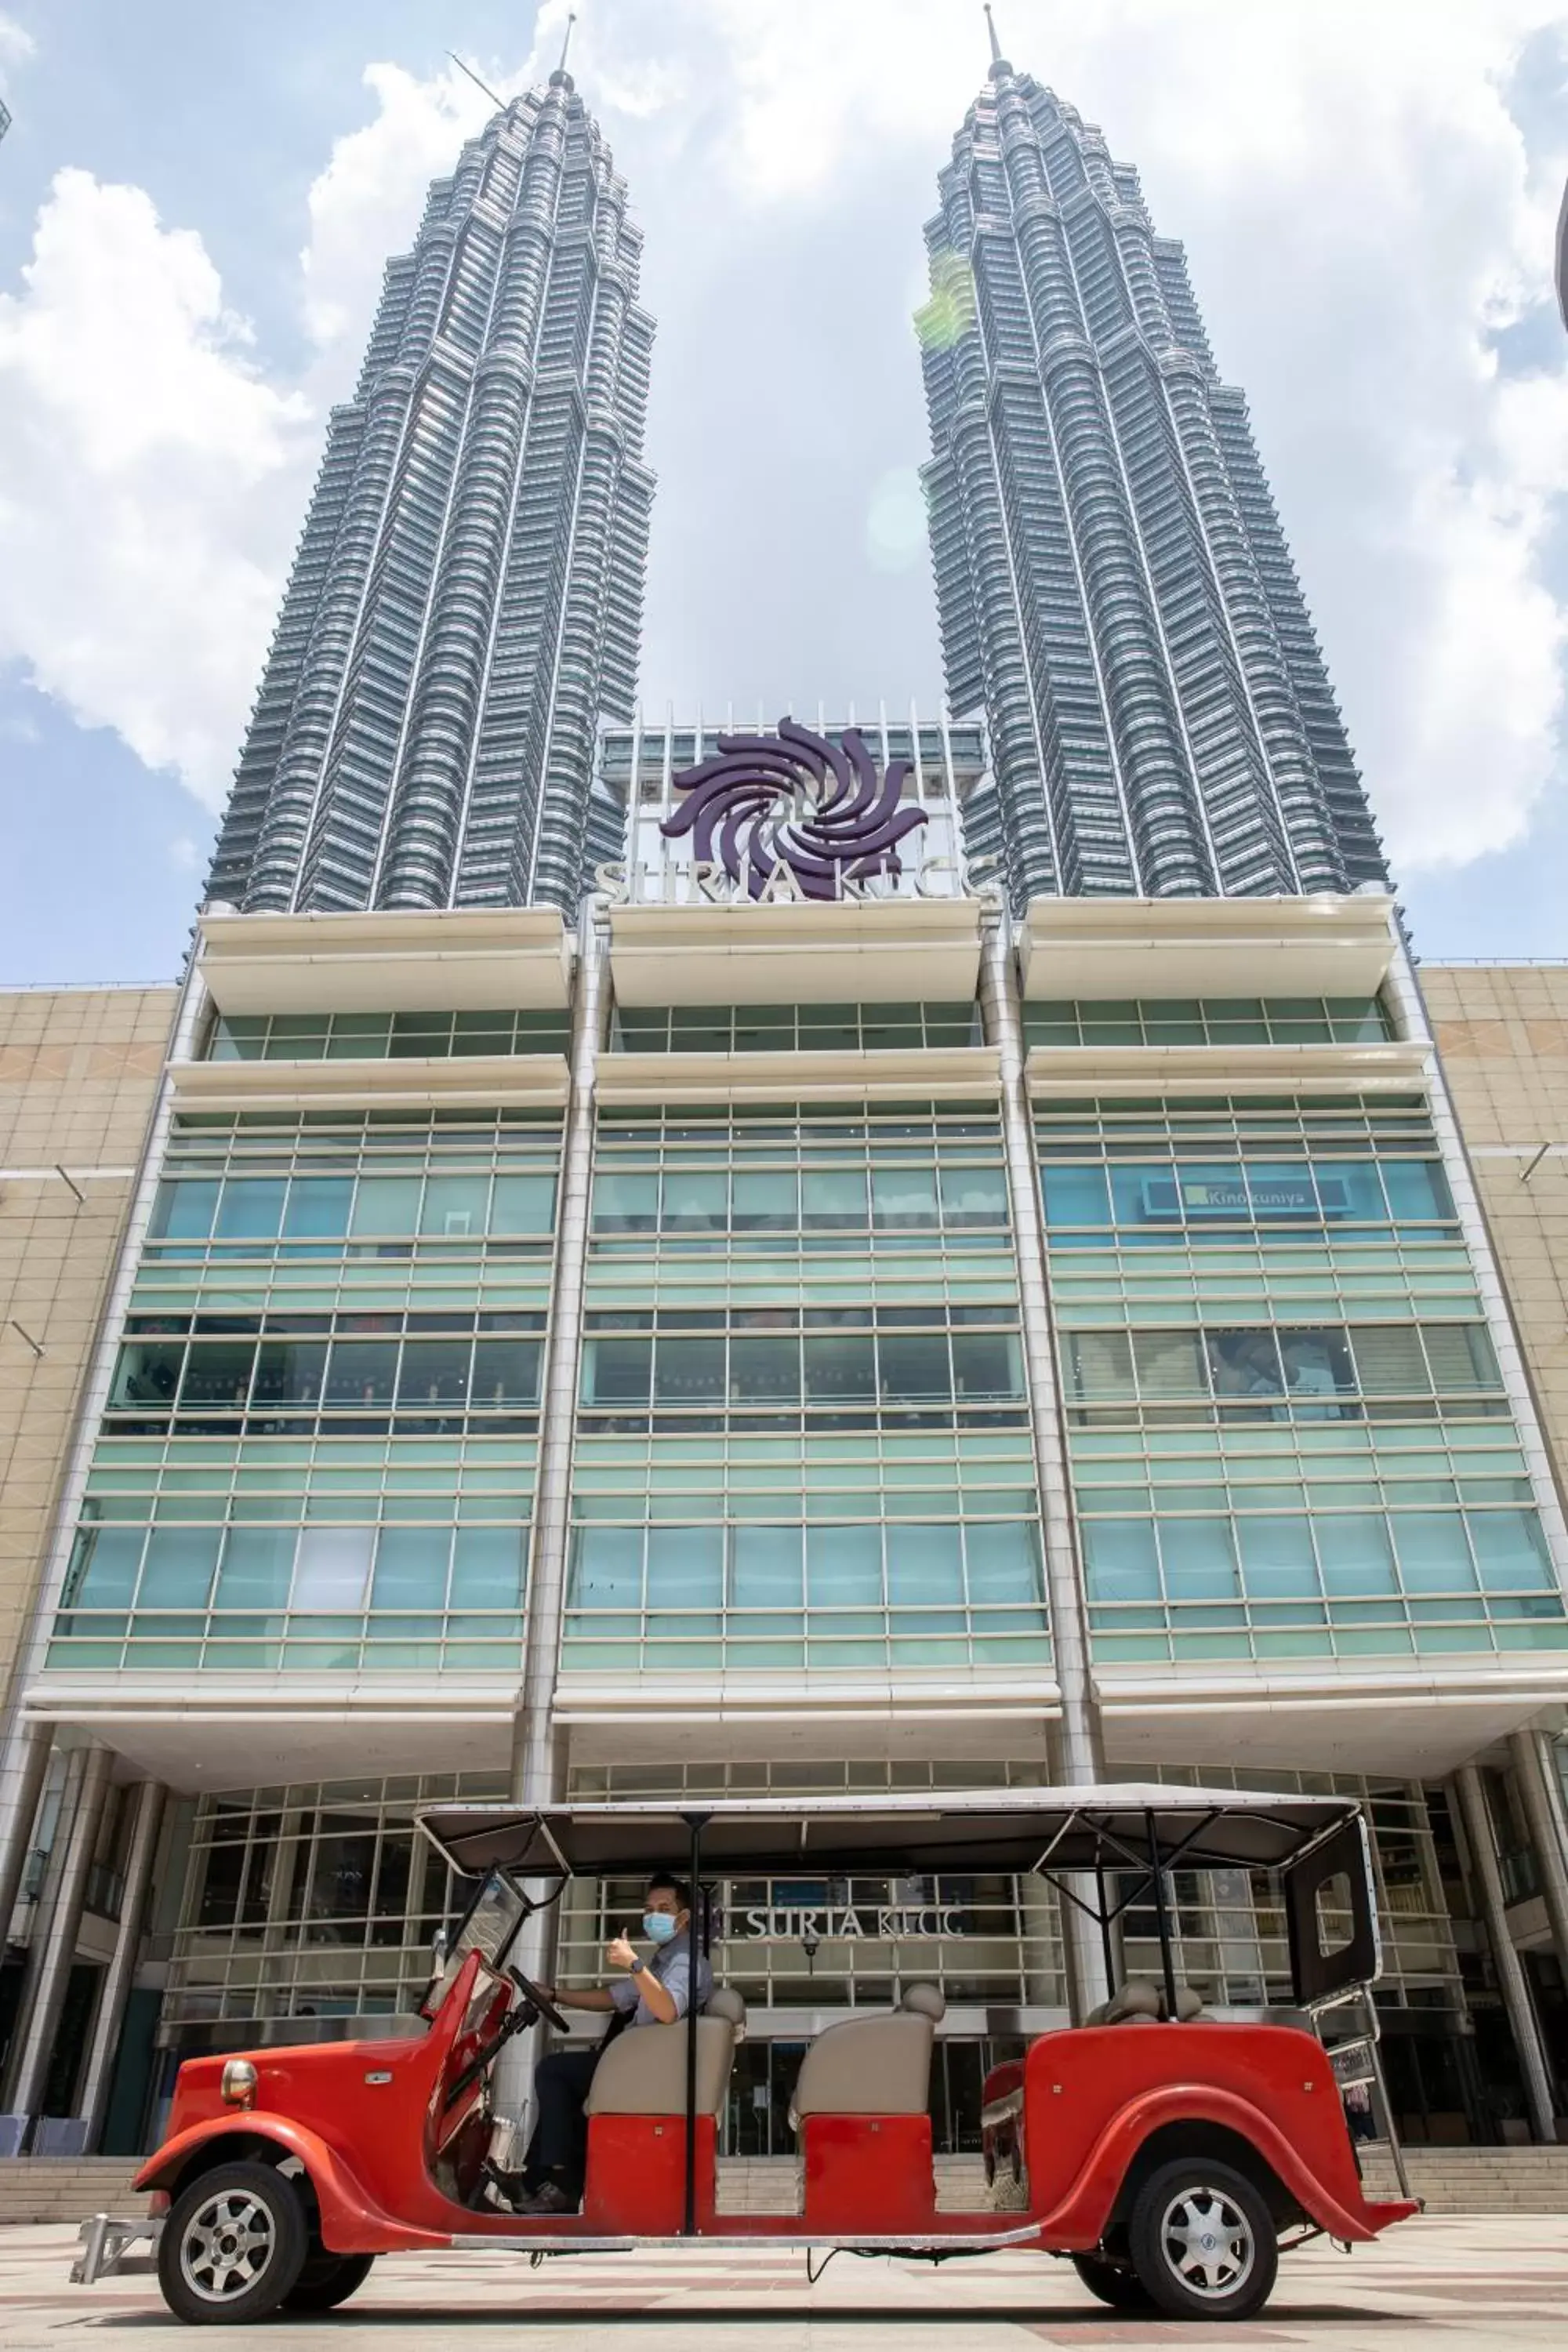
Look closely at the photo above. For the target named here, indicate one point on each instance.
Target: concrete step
(67, 2188)
(1475, 2179)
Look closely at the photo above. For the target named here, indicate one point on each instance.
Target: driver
(657, 1991)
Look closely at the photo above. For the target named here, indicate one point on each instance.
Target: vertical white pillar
(1542, 1796)
(537, 1755)
(23, 1768)
(92, 2101)
(57, 1936)
(1079, 1738)
(1510, 1976)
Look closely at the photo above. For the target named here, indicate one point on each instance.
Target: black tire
(327, 2280)
(1117, 2288)
(234, 2245)
(1203, 2243)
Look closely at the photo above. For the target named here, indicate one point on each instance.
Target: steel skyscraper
(467, 593)
(1114, 588)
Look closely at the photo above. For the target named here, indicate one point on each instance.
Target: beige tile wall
(78, 1069)
(1502, 1031)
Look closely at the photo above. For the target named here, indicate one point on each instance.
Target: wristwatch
(636, 1968)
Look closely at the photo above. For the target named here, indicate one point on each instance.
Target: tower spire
(566, 43)
(999, 65)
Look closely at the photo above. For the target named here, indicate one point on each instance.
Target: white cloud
(16, 44)
(150, 483)
(366, 203)
(1360, 207)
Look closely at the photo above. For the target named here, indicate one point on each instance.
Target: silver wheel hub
(1207, 2241)
(226, 2245)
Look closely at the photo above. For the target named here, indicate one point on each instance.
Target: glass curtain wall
(1287, 1428)
(803, 1438)
(319, 1450)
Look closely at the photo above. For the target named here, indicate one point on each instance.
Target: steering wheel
(546, 2008)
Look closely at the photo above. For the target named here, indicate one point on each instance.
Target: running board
(964, 2242)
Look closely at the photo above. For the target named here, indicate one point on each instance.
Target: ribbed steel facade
(467, 594)
(1114, 588)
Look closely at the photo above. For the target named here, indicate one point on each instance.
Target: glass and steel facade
(1113, 585)
(803, 1537)
(467, 599)
(318, 1449)
(1285, 1416)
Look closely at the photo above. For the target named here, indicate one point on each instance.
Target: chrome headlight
(237, 2087)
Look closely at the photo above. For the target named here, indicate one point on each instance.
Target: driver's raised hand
(619, 1954)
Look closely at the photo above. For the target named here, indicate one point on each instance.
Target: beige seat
(1141, 2001)
(873, 2066)
(643, 2073)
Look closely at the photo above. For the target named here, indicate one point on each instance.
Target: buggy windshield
(489, 1927)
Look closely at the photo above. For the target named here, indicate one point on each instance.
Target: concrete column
(539, 1751)
(55, 1938)
(69, 1796)
(1543, 1798)
(105, 2048)
(1476, 1816)
(20, 1774)
(23, 1768)
(1077, 1750)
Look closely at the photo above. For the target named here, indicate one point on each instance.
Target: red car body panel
(867, 2172)
(392, 2145)
(1091, 2097)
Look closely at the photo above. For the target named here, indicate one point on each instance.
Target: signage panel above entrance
(799, 817)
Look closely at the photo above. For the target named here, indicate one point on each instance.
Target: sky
(196, 203)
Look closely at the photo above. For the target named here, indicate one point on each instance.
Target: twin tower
(1116, 597)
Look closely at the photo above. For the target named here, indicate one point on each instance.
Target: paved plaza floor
(1450, 2285)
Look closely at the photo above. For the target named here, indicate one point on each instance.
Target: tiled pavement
(1448, 2285)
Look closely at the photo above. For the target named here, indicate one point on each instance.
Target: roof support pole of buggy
(1078, 1740)
(538, 1753)
(1475, 1815)
(693, 2009)
(1161, 1919)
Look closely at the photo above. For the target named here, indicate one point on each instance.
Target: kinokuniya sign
(1169, 1200)
(772, 819)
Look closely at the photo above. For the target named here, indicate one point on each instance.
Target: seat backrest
(873, 2066)
(1141, 2001)
(724, 2002)
(643, 2072)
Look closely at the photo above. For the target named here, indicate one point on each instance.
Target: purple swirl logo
(821, 810)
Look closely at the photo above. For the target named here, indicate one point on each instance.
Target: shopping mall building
(797, 1342)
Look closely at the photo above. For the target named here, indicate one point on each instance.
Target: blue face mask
(658, 1926)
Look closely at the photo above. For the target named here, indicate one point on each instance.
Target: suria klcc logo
(793, 799)
(792, 816)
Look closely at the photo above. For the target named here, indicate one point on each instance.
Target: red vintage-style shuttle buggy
(1169, 2155)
